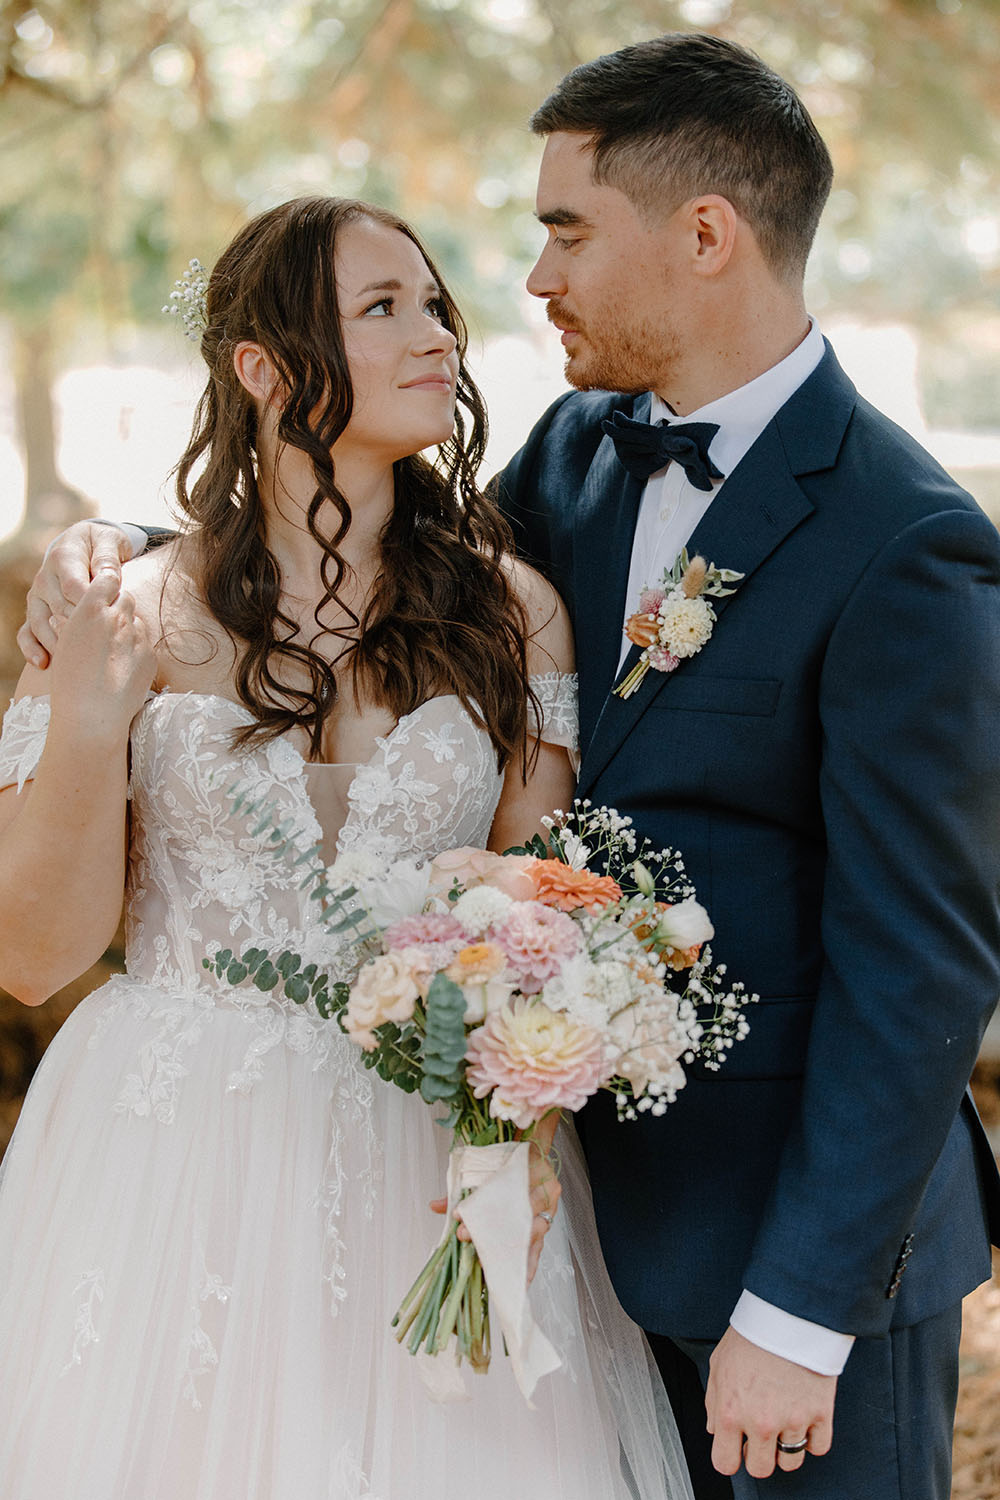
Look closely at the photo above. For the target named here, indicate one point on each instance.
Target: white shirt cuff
(136, 536)
(809, 1344)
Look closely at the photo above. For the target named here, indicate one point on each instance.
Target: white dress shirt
(670, 509)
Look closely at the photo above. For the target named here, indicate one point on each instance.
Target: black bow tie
(644, 447)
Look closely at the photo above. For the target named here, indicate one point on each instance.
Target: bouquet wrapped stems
(448, 1298)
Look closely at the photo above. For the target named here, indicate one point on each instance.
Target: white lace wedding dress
(210, 1209)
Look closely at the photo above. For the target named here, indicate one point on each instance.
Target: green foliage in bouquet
(300, 984)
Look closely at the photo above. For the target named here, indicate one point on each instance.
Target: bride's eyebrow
(378, 286)
(395, 286)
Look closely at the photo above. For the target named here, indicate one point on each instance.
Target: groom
(803, 1224)
(799, 1228)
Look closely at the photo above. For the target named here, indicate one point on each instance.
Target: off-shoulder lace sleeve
(557, 698)
(25, 725)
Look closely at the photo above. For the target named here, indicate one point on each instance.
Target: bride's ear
(255, 371)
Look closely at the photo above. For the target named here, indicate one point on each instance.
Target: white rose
(398, 892)
(481, 1000)
(685, 925)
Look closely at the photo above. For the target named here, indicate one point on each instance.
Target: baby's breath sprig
(599, 837)
(188, 300)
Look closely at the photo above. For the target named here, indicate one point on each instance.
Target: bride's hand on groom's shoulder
(754, 1398)
(77, 556)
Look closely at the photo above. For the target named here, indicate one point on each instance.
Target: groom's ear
(255, 371)
(713, 227)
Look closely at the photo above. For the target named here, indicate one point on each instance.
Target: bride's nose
(432, 337)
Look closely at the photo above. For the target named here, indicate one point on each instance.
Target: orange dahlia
(567, 889)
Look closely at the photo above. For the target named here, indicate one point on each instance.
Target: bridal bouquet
(502, 988)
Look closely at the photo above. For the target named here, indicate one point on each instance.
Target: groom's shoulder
(913, 483)
(880, 476)
(565, 438)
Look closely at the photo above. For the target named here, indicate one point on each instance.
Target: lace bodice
(200, 877)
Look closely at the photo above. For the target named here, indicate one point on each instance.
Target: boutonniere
(675, 620)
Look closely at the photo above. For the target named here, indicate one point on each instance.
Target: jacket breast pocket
(755, 697)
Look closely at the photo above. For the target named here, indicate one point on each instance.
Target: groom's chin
(599, 380)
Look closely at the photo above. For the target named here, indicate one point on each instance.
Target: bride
(210, 1208)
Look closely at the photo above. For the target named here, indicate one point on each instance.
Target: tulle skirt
(201, 1261)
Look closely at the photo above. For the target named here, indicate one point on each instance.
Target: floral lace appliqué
(25, 726)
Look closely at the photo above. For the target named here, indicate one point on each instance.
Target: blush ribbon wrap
(497, 1213)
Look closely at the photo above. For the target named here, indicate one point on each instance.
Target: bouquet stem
(448, 1297)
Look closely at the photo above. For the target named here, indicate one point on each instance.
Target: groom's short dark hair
(685, 114)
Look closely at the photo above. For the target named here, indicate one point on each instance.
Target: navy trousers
(892, 1422)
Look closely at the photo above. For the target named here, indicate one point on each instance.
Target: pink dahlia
(537, 940)
(433, 927)
(530, 1059)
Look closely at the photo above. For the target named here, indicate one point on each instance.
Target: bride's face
(402, 359)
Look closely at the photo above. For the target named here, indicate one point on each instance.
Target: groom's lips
(567, 332)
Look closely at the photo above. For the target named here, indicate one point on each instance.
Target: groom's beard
(613, 353)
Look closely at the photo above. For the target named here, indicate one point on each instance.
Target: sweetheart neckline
(381, 740)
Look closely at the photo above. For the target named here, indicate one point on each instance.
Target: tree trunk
(50, 503)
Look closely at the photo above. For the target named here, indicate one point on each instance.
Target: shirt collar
(743, 414)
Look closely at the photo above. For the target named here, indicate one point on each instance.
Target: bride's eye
(380, 309)
(435, 308)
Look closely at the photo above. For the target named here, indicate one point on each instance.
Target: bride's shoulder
(549, 634)
(161, 581)
(146, 577)
(168, 601)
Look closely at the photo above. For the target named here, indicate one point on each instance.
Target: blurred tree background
(137, 133)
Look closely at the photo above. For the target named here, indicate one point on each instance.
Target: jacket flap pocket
(720, 695)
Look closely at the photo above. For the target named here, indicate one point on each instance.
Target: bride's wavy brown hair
(443, 616)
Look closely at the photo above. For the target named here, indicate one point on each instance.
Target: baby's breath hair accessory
(188, 300)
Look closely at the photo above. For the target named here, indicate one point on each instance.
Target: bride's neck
(287, 490)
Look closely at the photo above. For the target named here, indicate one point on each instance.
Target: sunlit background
(136, 134)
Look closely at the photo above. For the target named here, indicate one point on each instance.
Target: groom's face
(609, 276)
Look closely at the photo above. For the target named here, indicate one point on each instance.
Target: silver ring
(545, 1215)
(799, 1447)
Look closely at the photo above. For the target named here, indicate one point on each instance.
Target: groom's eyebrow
(564, 218)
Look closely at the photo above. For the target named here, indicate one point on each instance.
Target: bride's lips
(429, 383)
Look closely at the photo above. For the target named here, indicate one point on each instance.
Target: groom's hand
(755, 1398)
(75, 558)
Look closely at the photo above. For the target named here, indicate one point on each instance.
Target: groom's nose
(545, 279)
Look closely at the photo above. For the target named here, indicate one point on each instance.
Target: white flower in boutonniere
(675, 620)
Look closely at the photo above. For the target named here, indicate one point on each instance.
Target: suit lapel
(606, 515)
(756, 508)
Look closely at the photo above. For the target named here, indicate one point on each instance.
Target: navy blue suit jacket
(829, 765)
